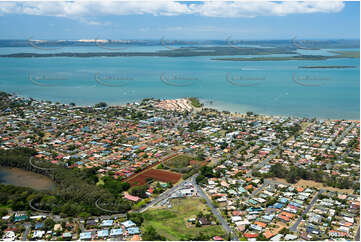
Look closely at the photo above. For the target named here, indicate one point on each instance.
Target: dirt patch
(183, 164)
(304, 183)
(318, 185)
(149, 167)
(159, 175)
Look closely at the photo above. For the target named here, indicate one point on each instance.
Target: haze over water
(265, 87)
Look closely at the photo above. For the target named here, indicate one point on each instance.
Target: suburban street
(216, 213)
(81, 227)
(165, 194)
(263, 163)
(357, 237)
(293, 228)
(266, 182)
(201, 193)
(26, 232)
(345, 133)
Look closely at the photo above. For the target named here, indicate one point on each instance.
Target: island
(325, 67)
(339, 54)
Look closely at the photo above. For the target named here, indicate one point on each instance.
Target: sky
(216, 20)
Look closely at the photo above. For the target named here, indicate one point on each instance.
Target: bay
(264, 87)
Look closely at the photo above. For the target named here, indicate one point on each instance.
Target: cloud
(83, 9)
(253, 9)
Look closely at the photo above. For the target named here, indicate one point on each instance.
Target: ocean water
(265, 87)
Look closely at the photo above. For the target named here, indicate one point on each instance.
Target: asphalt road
(82, 229)
(357, 237)
(265, 161)
(26, 232)
(201, 193)
(295, 225)
(262, 163)
(216, 213)
(165, 195)
(266, 182)
(345, 133)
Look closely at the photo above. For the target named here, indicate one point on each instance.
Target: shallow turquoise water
(268, 87)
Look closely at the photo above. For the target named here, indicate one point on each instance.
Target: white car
(9, 236)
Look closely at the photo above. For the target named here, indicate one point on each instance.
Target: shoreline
(217, 105)
(223, 106)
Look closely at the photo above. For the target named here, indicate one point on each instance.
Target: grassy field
(100, 182)
(195, 102)
(172, 222)
(318, 185)
(179, 161)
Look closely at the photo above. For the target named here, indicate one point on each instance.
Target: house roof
(218, 238)
(85, 235)
(116, 232)
(66, 235)
(204, 221)
(135, 238)
(268, 234)
(263, 225)
(283, 217)
(103, 233)
(290, 237)
(106, 223)
(133, 230)
(249, 235)
(277, 237)
(128, 223)
(130, 197)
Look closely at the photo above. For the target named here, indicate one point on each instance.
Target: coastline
(234, 109)
(239, 110)
(223, 106)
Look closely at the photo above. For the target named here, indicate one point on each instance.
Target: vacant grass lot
(179, 161)
(171, 222)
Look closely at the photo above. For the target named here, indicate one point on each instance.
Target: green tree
(101, 105)
(3, 212)
(137, 218)
(139, 191)
(49, 224)
(151, 234)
